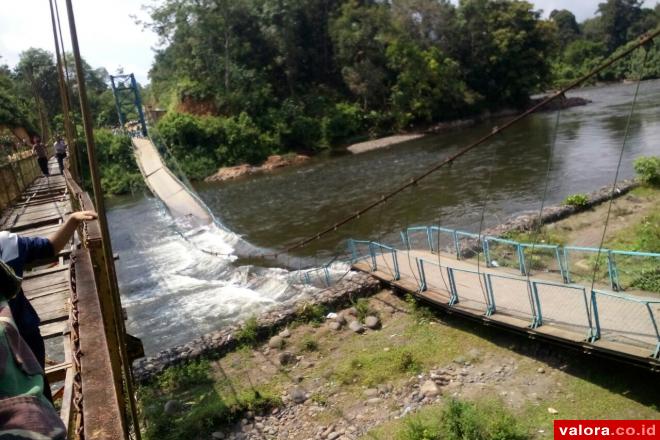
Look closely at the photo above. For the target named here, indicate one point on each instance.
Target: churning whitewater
(173, 291)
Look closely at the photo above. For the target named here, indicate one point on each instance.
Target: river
(173, 292)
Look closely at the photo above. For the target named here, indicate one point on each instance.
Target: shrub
(342, 122)
(648, 280)
(648, 169)
(310, 313)
(577, 200)
(242, 141)
(406, 363)
(463, 420)
(248, 334)
(363, 309)
(309, 344)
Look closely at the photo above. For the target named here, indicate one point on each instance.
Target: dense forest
(244, 79)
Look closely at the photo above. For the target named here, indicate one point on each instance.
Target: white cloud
(107, 35)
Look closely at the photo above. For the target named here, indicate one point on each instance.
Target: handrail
(562, 253)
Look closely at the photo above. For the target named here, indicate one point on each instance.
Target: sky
(108, 36)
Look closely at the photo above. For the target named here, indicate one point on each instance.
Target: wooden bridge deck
(64, 292)
(627, 328)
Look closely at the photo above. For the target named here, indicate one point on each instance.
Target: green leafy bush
(577, 200)
(119, 171)
(648, 169)
(648, 280)
(342, 121)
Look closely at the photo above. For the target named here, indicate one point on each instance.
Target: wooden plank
(67, 396)
(53, 329)
(56, 373)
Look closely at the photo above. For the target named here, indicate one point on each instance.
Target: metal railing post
(372, 252)
(521, 259)
(453, 299)
(405, 239)
(486, 246)
(594, 307)
(490, 295)
(612, 272)
(397, 274)
(422, 275)
(656, 352)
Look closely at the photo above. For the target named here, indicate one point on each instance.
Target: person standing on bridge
(60, 152)
(17, 252)
(39, 150)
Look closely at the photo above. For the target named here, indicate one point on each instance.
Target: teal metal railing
(500, 251)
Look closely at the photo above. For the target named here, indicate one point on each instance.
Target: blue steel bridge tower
(127, 99)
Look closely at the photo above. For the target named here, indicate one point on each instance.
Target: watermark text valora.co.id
(612, 429)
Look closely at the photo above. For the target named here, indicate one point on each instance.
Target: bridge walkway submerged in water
(545, 305)
(174, 194)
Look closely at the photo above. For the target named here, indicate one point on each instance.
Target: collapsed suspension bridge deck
(545, 305)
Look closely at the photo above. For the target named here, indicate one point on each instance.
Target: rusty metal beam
(102, 415)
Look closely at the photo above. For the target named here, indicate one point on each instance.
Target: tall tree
(568, 29)
(504, 49)
(617, 17)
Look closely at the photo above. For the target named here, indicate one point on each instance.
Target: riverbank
(456, 124)
(381, 368)
(355, 285)
(272, 163)
(376, 368)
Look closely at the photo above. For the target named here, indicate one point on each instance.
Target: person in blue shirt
(17, 252)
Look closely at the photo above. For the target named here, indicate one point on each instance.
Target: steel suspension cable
(413, 181)
(626, 133)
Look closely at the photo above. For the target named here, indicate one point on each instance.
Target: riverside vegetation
(243, 80)
(415, 375)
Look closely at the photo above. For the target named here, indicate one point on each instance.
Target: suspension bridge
(537, 289)
(493, 280)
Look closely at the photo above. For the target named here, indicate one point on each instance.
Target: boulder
(429, 389)
(372, 322)
(356, 326)
(276, 342)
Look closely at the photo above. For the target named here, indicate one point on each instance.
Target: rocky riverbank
(528, 220)
(273, 162)
(216, 344)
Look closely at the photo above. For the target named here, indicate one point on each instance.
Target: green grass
(456, 420)
(309, 344)
(248, 335)
(207, 403)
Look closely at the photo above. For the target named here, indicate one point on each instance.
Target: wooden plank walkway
(82, 361)
(540, 306)
(40, 211)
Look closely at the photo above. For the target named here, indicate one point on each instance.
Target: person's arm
(60, 238)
